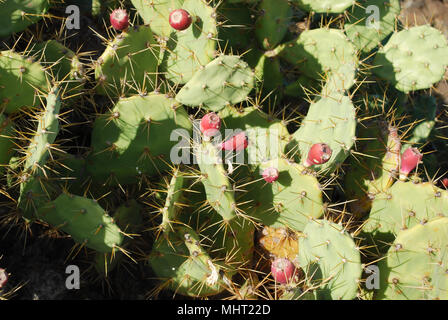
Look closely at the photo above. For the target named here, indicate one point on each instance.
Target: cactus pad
(84, 220)
(321, 52)
(331, 121)
(367, 34)
(225, 81)
(131, 135)
(21, 76)
(404, 205)
(413, 59)
(132, 58)
(329, 255)
(417, 263)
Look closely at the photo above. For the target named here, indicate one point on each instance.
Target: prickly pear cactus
(227, 80)
(20, 80)
(325, 6)
(415, 265)
(330, 257)
(413, 59)
(366, 32)
(16, 15)
(184, 266)
(130, 134)
(130, 62)
(329, 120)
(403, 206)
(84, 219)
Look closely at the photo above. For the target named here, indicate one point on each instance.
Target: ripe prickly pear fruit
(445, 182)
(3, 277)
(318, 154)
(409, 160)
(210, 124)
(180, 19)
(282, 270)
(270, 174)
(236, 143)
(119, 19)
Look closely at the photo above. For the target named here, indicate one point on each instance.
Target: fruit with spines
(270, 174)
(119, 19)
(319, 153)
(410, 158)
(282, 270)
(180, 19)
(237, 142)
(210, 124)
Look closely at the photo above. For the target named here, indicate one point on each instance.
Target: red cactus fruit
(3, 277)
(236, 143)
(180, 19)
(445, 182)
(409, 160)
(282, 270)
(210, 124)
(270, 174)
(318, 154)
(119, 19)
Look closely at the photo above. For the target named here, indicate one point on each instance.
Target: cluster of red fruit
(179, 19)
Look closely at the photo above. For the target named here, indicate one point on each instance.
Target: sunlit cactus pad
(413, 59)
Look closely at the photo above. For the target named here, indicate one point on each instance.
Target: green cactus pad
(329, 120)
(174, 192)
(267, 136)
(155, 13)
(416, 264)
(190, 50)
(225, 81)
(32, 191)
(325, 6)
(329, 255)
(134, 138)
(132, 57)
(7, 134)
(291, 201)
(272, 25)
(220, 193)
(186, 268)
(64, 63)
(321, 52)
(17, 15)
(404, 205)
(84, 220)
(365, 33)
(413, 59)
(19, 79)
